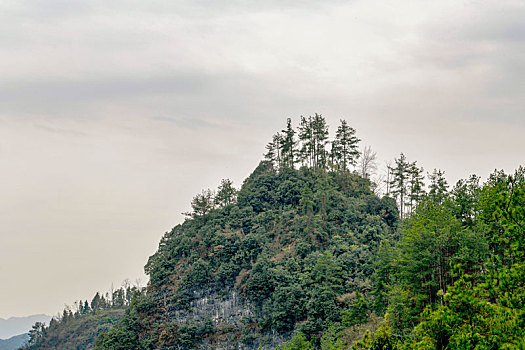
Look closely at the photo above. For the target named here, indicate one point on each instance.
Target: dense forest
(313, 251)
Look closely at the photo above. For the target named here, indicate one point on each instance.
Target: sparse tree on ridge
(367, 163)
(399, 182)
(438, 188)
(346, 149)
(36, 332)
(288, 145)
(320, 140)
(226, 193)
(415, 185)
(310, 149)
(202, 203)
(274, 150)
(306, 140)
(86, 307)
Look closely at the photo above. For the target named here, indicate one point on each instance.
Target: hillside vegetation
(79, 328)
(305, 255)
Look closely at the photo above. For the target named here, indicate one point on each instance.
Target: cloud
(185, 122)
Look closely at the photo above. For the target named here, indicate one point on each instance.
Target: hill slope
(77, 332)
(289, 253)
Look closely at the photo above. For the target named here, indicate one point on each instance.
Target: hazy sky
(113, 114)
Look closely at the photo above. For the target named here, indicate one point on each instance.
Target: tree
(346, 150)
(306, 202)
(367, 163)
(466, 194)
(400, 181)
(118, 298)
(433, 240)
(86, 309)
(36, 332)
(298, 342)
(471, 320)
(331, 339)
(415, 185)
(199, 274)
(438, 188)
(226, 193)
(383, 340)
(96, 302)
(202, 203)
(306, 139)
(357, 311)
(320, 140)
(288, 146)
(274, 150)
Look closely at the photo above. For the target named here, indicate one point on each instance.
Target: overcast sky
(113, 114)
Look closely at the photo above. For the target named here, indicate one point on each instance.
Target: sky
(114, 114)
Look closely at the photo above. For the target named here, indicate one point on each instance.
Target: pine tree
(306, 140)
(95, 302)
(274, 150)
(36, 332)
(288, 145)
(399, 182)
(415, 185)
(346, 142)
(320, 140)
(335, 154)
(86, 308)
(438, 188)
(226, 193)
(202, 203)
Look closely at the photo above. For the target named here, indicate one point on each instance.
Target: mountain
(17, 325)
(291, 251)
(14, 343)
(306, 256)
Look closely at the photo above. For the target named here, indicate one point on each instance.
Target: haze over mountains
(14, 342)
(19, 325)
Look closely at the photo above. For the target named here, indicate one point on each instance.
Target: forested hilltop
(307, 255)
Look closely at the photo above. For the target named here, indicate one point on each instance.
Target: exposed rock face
(228, 311)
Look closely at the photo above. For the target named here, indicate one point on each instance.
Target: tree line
(406, 183)
(310, 145)
(115, 299)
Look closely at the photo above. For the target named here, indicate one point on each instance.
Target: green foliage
(78, 328)
(471, 320)
(226, 193)
(488, 312)
(331, 339)
(202, 203)
(345, 150)
(199, 274)
(75, 332)
(480, 305)
(298, 342)
(357, 312)
(382, 340)
(438, 189)
(293, 243)
(432, 240)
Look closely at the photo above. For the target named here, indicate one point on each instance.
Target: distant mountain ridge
(19, 325)
(15, 342)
